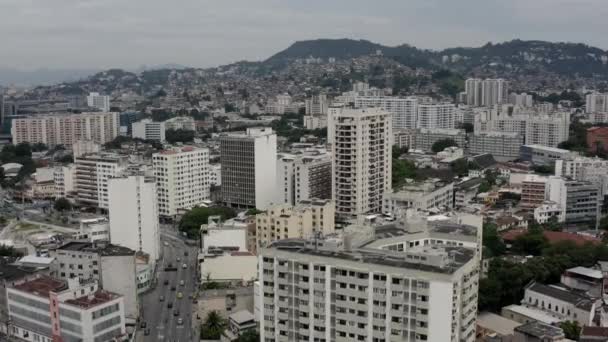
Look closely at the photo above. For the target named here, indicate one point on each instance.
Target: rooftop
(540, 330)
(242, 316)
(496, 323)
(13, 272)
(533, 313)
(104, 249)
(547, 148)
(42, 286)
(97, 298)
(33, 259)
(562, 294)
(587, 272)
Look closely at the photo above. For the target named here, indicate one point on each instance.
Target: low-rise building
(427, 195)
(239, 323)
(48, 309)
(465, 192)
(185, 123)
(425, 138)
(597, 139)
(544, 155)
(301, 221)
(538, 332)
(502, 145)
(533, 191)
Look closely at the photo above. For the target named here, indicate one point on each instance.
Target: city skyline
(78, 34)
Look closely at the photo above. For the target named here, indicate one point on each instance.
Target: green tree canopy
(191, 221)
(571, 329)
(442, 144)
(62, 204)
(213, 327)
(494, 246)
(179, 135)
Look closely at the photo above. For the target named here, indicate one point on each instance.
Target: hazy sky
(131, 33)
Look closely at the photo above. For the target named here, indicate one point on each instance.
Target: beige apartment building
(66, 129)
(301, 221)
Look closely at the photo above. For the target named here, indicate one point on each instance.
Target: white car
(166, 244)
(184, 266)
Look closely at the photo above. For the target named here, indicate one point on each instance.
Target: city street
(161, 320)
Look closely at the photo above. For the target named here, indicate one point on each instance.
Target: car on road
(173, 288)
(175, 313)
(166, 244)
(184, 266)
(185, 253)
(166, 282)
(147, 331)
(180, 321)
(143, 324)
(180, 295)
(182, 282)
(161, 298)
(169, 305)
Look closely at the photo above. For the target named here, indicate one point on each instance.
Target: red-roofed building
(597, 138)
(45, 309)
(553, 237)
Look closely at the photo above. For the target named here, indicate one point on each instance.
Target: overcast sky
(202, 33)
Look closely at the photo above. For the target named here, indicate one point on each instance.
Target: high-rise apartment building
(488, 92)
(64, 177)
(66, 129)
(133, 214)
(101, 102)
(522, 100)
(580, 201)
(149, 130)
(403, 110)
(186, 123)
(303, 176)
(537, 129)
(438, 115)
(317, 105)
(360, 140)
(502, 145)
(249, 162)
(182, 179)
(596, 103)
(302, 221)
(425, 138)
(92, 174)
(406, 281)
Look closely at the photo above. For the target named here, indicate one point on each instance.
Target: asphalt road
(159, 318)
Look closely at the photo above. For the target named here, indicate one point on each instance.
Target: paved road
(159, 318)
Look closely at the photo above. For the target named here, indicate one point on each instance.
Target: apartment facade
(303, 177)
(186, 123)
(66, 129)
(404, 111)
(182, 179)
(580, 201)
(360, 140)
(149, 130)
(133, 211)
(596, 103)
(113, 267)
(425, 138)
(101, 102)
(501, 145)
(301, 221)
(424, 196)
(533, 191)
(91, 177)
(48, 309)
(317, 105)
(537, 129)
(334, 290)
(436, 116)
(488, 92)
(64, 177)
(249, 161)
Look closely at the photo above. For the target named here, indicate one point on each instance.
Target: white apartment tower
(249, 161)
(317, 105)
(182, 179)
(101, 102)
(404, 111)
(360, 140)
(66, 129)
(488, 92)
(91, 177)
(596, 103)
(410, 281)
(134, 214)
(303, 177)
(440, 115)
(149, 130)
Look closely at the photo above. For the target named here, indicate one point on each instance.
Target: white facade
(66, 129)
(82, 147)
(523, 99)
(360, 141)
(504, 145)
(315, 121)
(548, 210)
(134, 214)
(101, 102)
(249, 161)
(303, 177)
(317, 105)
(425, 196)
(92, 174)
(72, 312)
(182, 178)
(488, 92)
(432, 116)
(64, 180)
(596, 103)
(215, 174)
(404, 111)
(149, 130)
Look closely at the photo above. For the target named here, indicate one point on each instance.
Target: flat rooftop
(458, 256)
(42, 286)
(104, 249)
(396, 229)
(94, 299)
(540, 330)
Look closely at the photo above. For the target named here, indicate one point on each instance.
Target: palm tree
(213, 327)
